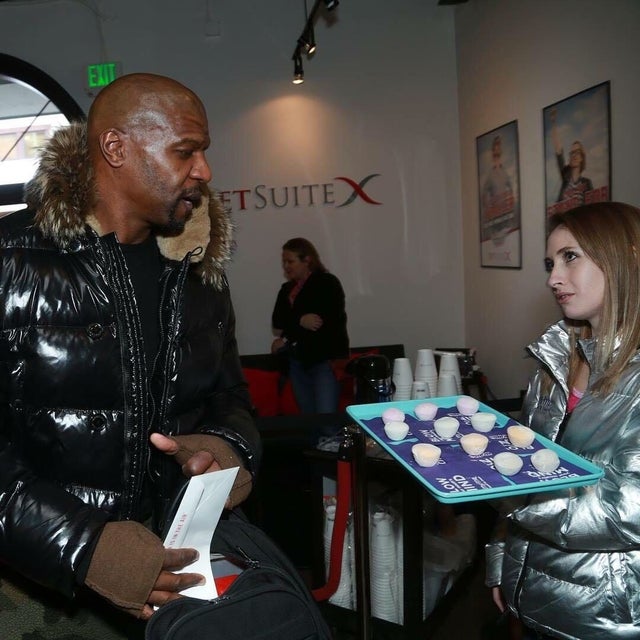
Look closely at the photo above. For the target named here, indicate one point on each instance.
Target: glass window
(32, 107)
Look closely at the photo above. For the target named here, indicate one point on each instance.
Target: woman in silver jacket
(571, 558)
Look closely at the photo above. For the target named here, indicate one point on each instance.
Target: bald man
(119, 368)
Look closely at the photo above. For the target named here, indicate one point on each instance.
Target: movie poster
(577, 150)
(499, 197)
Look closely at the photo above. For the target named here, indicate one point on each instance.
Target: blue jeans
(315, 388)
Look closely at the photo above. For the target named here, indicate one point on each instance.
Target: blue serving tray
(459, 477)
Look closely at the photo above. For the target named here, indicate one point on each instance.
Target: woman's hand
(277, 344)
(311, 321)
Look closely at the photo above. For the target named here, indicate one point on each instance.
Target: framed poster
(499, 194)
(577, 150)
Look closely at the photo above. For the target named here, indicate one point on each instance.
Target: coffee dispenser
(371, 379)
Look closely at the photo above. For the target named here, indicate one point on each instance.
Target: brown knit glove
(224, 454)
(125, 565)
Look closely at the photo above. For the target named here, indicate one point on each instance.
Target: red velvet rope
(339, 530)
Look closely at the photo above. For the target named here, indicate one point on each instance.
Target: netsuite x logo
(265, 197)
(358, 190)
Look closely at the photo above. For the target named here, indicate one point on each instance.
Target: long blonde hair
(609, 233)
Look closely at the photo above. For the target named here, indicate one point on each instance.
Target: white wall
(379, 98)
(514, 59)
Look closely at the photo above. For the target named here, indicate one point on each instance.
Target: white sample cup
(446, 427)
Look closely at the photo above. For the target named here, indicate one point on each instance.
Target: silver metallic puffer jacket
(571, 565)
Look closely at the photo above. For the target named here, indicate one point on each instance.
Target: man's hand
(498, 598)
(200, 462)
(311, 321)
(168, 584)
(202, 453)
(132, 569)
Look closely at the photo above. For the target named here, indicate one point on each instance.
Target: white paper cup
(402, 375)
(419, 389)
(449, 365)
(431, 385)
(425, 373)
(447, 385)
(402, 391)
(425, 356)
(425, 365)
(449, 362)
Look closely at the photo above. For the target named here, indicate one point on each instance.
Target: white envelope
(195, 522)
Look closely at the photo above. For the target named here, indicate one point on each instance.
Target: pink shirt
(574, 398)
(296, 290)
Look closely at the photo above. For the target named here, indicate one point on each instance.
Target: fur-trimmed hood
(62, 190)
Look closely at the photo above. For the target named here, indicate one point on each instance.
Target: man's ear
(112, 146)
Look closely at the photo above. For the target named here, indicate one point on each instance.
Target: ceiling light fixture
(298, 71)
(307, 41)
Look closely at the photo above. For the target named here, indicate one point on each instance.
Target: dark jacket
(76, 407)
(321, 294)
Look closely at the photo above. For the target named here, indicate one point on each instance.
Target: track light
(298, 71)
(308, 41)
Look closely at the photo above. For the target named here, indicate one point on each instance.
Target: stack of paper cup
(426, 371)
(420, 389)
(384, 568)
(449, 366)
(447, 385)
(402, 379)
(344, 594)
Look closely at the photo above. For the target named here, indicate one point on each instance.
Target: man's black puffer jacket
(75, 407)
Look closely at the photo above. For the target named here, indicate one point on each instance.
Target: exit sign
(100, 75)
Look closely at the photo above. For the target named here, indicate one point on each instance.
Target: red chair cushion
(288, 404)
(263, 389)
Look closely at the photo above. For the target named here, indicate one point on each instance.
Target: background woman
(310, 322)
(571, 559)
(574, 185)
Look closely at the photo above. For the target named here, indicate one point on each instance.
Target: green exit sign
(100, 75)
